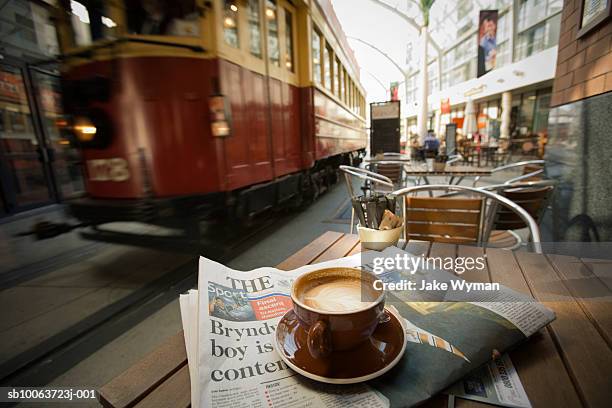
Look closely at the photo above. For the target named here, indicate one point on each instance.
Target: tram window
(230, 23)
(90, 22)
(342, 84)
(254, 27)
(316, 56)
(163, 17)
(327, 65)
(272, 16)
(337, 68)
(289, 40)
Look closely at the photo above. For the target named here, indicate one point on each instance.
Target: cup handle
(319, 340)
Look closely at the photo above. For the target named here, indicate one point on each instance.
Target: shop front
(37, 166)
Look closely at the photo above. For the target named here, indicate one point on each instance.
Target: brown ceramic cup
(344, 322)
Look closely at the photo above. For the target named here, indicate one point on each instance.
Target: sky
(372, 23)
(366, 20)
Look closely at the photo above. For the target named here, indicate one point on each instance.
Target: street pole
(423, 88)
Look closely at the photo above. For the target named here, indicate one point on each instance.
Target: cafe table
(456, 173)
(566, 364)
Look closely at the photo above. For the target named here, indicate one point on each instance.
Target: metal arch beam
(377, 80)
(384, 54)
(409, 20)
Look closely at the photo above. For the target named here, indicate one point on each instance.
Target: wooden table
(567, 364)
(456, 173)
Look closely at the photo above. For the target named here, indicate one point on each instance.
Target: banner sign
(487, 41)
(445, 106)
(394, 88)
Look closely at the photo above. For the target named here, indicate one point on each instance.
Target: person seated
(431, 144)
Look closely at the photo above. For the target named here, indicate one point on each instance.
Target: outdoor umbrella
(470, 126)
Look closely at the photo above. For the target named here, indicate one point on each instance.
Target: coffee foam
(339, 294)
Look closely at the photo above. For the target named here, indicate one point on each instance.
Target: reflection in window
(327, 56)
(230, 23)
(18, 141)
(254, 27)
(289, 40)
(163, 17)
(67, 160)
(337, 77)
(272, 17)
(316, 56)
(89, 23)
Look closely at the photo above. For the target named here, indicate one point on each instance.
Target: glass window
(163, 17)
(254, 27)
(272, 17)
(463, 8)
(230, 23)
(337, 68)
(503, 27)
(343, 84)
(289, 40)
(28, 30)
(316, 56)
(18, 141)
(542, 108)
(90, 23)
(67, 160)
(327, 65)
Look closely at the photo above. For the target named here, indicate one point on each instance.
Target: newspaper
(229, 324)
(497, 383)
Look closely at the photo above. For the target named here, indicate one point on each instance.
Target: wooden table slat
(137, 381)
(473, 274)
(602, 268)
(593, 295)
(310, 252)
(586, 354)
(538, 363)
(175, 392)
(418, 248)
(340, 249)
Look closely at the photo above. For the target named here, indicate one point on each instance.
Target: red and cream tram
(191, 105)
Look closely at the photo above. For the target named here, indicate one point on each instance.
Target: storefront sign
(487, 41)
(385, 110)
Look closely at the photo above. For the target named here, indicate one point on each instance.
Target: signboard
(385, 110)
(385, 127)
(394, 91)
(451, 138)
(487, 41)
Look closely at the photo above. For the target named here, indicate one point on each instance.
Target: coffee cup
(339, 308)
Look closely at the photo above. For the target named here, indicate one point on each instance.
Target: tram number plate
(115, 169)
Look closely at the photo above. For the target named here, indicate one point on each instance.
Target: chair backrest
(533, 200)
(484, 195)
(441, 219)
(367, 175)
(391, 170)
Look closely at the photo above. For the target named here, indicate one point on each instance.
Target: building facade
(527, 37)
(37, 166)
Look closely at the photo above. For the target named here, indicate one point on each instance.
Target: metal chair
(456, 220)
(368, 176)
(529, 170)
(532, 196)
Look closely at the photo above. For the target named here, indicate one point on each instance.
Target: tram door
(25, 180)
